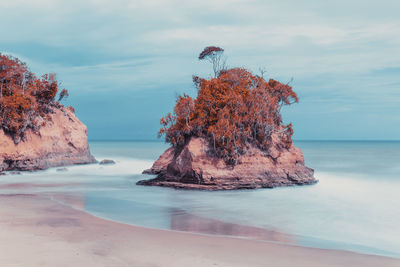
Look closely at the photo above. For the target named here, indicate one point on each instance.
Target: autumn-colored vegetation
(25, 100)
(232, 110)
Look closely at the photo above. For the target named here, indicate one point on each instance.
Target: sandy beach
(38, 231)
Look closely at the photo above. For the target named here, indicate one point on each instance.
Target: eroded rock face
(62, 141)
(193, 168)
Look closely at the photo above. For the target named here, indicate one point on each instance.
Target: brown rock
(61, 141)
(193, 168)
(107, 162)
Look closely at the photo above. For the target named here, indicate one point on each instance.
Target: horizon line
(294, 140)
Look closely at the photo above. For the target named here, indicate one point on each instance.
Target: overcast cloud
(124, 61)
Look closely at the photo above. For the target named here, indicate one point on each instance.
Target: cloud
(344, 55)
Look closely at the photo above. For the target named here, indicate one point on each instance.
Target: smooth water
(355, 206)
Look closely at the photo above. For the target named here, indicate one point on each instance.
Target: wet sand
(38, 231)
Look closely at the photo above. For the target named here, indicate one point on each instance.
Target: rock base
(193, 168)
(61, 141)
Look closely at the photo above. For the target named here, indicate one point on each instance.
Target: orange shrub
(231, 111)
(25, 101)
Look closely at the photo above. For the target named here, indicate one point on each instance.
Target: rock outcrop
(192, 167)
(107, 162)
(61, 141)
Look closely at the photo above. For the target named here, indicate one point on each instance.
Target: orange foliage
(231, 111)
(25, 100)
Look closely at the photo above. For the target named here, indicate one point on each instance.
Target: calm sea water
(355, 206)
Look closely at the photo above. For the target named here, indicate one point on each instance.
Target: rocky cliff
(192, 167)
(61, 141)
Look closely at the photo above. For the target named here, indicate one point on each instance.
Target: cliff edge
(61, 141)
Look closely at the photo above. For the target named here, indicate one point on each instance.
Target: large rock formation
(192, 167)
(61, 141)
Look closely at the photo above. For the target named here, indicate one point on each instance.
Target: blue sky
(124, 62)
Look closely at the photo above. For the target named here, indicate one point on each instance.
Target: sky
(124, 62)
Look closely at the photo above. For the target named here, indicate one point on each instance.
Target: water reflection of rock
(182, 221)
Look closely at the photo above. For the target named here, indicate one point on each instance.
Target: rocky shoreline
(61, 141)
(193, 168)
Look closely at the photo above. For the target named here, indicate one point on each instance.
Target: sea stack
(231, 136)
(192, 167)
(36, 130)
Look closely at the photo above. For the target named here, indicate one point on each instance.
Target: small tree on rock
(215, 56)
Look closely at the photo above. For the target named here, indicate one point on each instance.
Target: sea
(355, 205)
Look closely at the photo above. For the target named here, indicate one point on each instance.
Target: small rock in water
(107, 162)
(14, 173)
(61, 169)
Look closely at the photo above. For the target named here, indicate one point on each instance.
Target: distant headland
(36, 130)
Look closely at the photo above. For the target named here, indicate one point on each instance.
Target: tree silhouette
(63, 94)
(215, 56)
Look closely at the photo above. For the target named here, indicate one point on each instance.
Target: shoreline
(47, 233)
(194, 224)
(234, 230)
